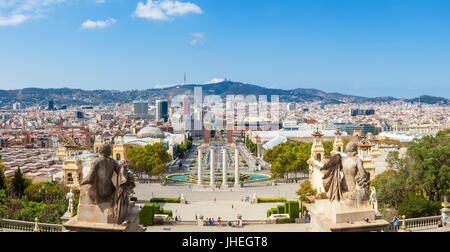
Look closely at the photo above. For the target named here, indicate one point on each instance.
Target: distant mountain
(429, 100)
(67, 96)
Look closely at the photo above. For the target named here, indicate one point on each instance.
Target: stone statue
(107, 186)
(373, 199)
(70, 196)
(345, 178)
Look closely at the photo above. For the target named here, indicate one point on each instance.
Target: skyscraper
(140, 108)
(186, 106)
(51, 105)
(162, 110)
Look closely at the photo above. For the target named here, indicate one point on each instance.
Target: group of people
(177, 218)
(218, 222)
(212, 222)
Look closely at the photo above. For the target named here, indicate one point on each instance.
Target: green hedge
(147, 214)
(168, 212)
(281, 209)
(270, 200)
(165, 200)
(284, 221)
(291, 207)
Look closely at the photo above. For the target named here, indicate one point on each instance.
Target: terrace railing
(416, 224)
(25, 226)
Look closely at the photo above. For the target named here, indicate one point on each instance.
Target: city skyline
(371, 49)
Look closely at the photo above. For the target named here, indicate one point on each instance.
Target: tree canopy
(288, 157)
(2, 176)
(150, 159)
(415, 181)
(19, 183)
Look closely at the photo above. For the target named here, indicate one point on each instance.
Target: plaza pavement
(245, 229)
(224, 204)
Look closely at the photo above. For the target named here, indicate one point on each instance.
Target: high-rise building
(140, 108)
(79, 115)
(162, 110)
(51, 105)
(356, 112)
(186, 106)
(290, 107)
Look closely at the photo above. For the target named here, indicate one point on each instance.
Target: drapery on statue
(109, 182)
(352, 186)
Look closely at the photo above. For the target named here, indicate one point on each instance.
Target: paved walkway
(246, 228)
(224, 204)
(226, 210)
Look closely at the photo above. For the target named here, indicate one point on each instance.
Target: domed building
(150, 132)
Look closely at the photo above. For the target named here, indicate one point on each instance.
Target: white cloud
(89, 24)
(15, 12)
(161, 86)
(12, 20)
(163, 10)
(199, 39)
(215, 80)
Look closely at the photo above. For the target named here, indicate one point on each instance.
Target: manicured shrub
(165, 200)
(168, 212)
(147, 215)
(284, 221)
(294, 210)
(281, 209)
(271, 200)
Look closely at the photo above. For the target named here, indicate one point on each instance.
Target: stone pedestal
(130, 224)
(335, 216)
(65, 218)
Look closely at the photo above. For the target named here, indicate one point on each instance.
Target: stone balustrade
(416, 223)
(25, 226)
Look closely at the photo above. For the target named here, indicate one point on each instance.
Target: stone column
(236, 168)
(212, 183)
(224, 170)
(200, 166)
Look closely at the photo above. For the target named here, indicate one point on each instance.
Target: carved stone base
(338, 217)
(130, 224)
(94, 213)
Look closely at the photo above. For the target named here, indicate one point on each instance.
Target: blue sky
(362, 47)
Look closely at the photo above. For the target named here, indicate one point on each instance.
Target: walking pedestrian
(395, 224)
